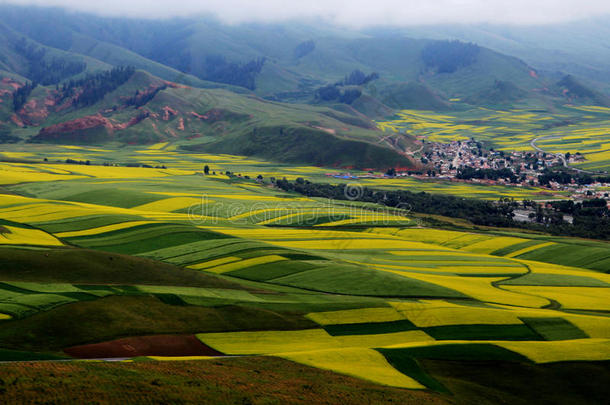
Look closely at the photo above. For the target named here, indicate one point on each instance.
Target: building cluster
(444, 161)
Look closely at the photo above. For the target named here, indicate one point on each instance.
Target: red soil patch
(79, 124)
(156, 345)
(35, 111)
(17, 121)
(175, 85)
(168, 112)
(11, 83)
(327, 130)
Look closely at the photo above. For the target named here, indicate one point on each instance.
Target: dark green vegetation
(357, 280)
(482, 332)
(591, 219)
(478, 211)
(592, 257)
(309, 145)
(408, 361)
(80, 266)
(493, 382)
(121, 316)
(554, 328)
(369, 328)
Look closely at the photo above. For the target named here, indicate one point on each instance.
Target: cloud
(348, 12)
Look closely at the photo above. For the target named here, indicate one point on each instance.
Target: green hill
(285, 62)
(134, 107)
(578, 92)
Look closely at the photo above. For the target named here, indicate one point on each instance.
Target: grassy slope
(12, 61)
(248, 380)
(336, 53)
(121, 316)
(93, 267)
(244, 125)
(271, 380)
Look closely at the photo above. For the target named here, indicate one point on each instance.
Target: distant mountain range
(291, 92)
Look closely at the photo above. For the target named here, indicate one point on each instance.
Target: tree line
(591, 218)
(333, 92)
(218, 69)
(93, 87)
(563, 177)
(449, 56)
(480, 212)
(467, 173)
(20, 96)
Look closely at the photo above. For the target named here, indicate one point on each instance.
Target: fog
(355, 13)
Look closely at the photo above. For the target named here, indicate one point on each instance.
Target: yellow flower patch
(596, 298)
(242, 264)
(367, 364)
(102, 229)
(23, 236)
(355, 316)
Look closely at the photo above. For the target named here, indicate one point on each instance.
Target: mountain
(578, 92)
(287, 92)
(284, 62)
(579, 47)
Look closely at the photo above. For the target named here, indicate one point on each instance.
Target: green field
(91, 254)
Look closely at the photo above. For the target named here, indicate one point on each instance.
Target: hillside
(284, 62)
(242, 284)
(577, 47)
(291, 93)
(134, 107)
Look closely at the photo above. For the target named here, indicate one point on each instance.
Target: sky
(357, 13)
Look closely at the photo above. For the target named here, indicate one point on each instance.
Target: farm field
(21, 164)
(584, 129)
(157, 264)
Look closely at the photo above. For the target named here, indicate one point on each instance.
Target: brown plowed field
(156, 345)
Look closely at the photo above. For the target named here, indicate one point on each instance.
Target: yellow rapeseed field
(426, 313)
(562, 350)
(367, 364)
(529, 249)
(23, 236)
(169, 204)
(223, 268)
(102, 229)
(480, 288)
(355, 316)
(595, 298)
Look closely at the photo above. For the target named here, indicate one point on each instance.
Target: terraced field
(222, 265)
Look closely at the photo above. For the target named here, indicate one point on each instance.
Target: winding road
(561, 156)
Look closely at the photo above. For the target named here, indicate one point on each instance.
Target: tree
(206, 170)
(391, 172)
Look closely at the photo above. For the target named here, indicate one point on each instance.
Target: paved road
(561, 156)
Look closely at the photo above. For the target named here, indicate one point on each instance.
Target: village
(468, 161)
